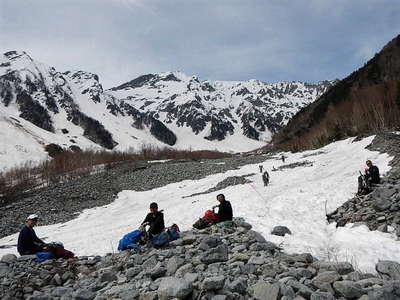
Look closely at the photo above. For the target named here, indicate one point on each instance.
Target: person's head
(31, 220)
(153, 207)
(368, 163)
(220, 197)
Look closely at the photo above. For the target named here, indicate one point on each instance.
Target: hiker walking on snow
(155, 219)
(283, 158)
(224, 209)
(261, 168)
(28, 242)
(265, 178)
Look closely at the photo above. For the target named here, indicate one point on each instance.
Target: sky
(268, 40)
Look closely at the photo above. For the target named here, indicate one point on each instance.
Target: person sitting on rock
(155, 219)
(224, 209)
(366, 180)
(28, 242)
(372, 173)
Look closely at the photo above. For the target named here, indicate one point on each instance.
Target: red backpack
(210, 216)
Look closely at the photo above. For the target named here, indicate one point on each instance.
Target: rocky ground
(381, 208)
(217, 263)
(63, 201)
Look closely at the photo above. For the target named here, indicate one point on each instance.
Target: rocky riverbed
(379, 210)
(61, 202)
(217, 263)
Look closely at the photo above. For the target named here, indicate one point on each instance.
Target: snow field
(295, 198)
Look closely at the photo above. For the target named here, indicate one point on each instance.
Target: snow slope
(295, 198)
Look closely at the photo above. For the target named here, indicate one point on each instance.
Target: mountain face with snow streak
(40, 104)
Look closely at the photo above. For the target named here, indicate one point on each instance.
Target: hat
(153, 205)
(32, 217)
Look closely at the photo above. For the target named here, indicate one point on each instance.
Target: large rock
(280, 230)
(173, 287)
(9, 258)
(213, 283)
(324, 278)
(173, 264)
(266, 291)
(381, 204)
(342, 268)
(389, 268)
(348, 289)
(217, 254)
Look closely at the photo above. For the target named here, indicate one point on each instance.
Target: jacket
(224, 211)
(28, 242)
(372, 174)
(156, 222)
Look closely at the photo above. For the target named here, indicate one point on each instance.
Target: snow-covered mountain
(39, 105)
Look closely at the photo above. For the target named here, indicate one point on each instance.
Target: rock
(342, 268)
(381, 204)
(280, 230)
(256, 236)
(108, 277)
(188, 239)
(348, 289)
(266, 291)
(82, 294)
(173, 264)
(238, 286)
(324, 278)
(213, 283)
(173, 287)
(322, 296)
(217, 254)
(61, 291)
(8, 258)
(383, 228)
(26, 257)
(157, 272)
(389, 268)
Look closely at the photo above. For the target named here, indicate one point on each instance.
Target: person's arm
(36, 240)
(147, 219)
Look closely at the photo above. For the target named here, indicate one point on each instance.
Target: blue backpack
(130, 240)
(164, 238)
(42, 256)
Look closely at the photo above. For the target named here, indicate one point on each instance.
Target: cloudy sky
(269, 40)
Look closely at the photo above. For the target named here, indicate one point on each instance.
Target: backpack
(42, 256)
(130, 240)
(210, 216)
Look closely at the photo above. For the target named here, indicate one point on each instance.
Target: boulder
(173, 287)
(389, 268)
(381, 204)
(348, 289)
(266, 291)
(8, 258)
(213, 283)
(280, 230)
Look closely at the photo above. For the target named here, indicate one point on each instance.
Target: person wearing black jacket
(224, 209)
(372, 173)
(155, 219)
(28, 242)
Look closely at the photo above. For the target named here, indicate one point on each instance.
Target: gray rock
(188, 239)
(173, 287)
(82, 294)
(256, 236)
(238, 286)
(389, 268)
(322, 296)
(280, 230)
(342, 268)
(108, 277)
(61, 291)
(173, 264)
(157, 272)
(324, 278)
(132, 272)
(8, 258)
(348, 289)
(266, 291)
(217, 254)
(213, 283)
(381, 204)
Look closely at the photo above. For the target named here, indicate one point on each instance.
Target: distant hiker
(372, 173)
(366, 180)
(283, 158)
(265, 178)
(261, 168)
(273, 168)
(155, 219)
(224, 209)
(28, 242)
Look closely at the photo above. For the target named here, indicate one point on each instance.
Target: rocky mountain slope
(366, 101)
(40, 105)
